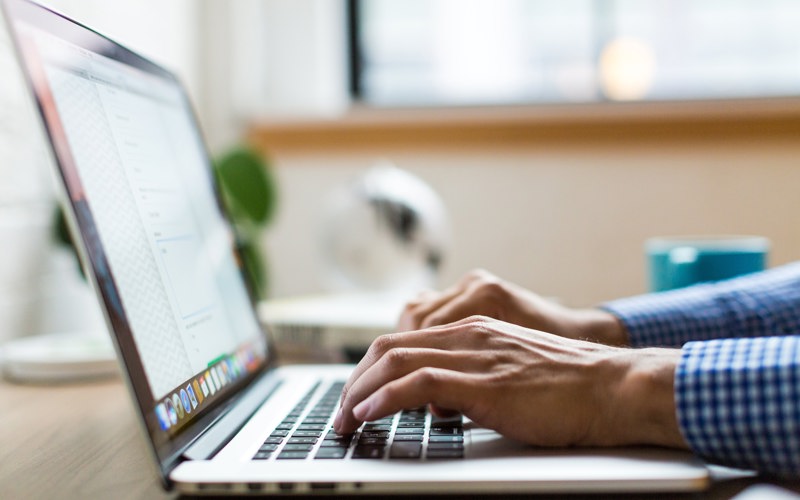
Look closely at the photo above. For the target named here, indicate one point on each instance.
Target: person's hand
(482, 293)
(532, 386)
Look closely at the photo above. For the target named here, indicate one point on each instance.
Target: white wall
(566, 221)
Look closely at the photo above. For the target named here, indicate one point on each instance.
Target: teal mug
(677, 262)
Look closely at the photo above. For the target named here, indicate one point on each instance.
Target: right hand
(480, 292)
(535, 387)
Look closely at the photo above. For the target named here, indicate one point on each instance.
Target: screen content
(144, 173)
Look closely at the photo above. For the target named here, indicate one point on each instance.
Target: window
(454, 52)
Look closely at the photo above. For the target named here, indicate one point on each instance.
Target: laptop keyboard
(412, 434)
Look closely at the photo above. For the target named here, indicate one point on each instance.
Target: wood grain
(73, 441)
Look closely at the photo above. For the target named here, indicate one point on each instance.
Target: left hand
(532, 386)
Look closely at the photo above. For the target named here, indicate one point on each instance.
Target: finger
(445, 337)
(442, 412)
(467, 304)
(405, 322)
(416, 311)
(442, 388)
(397, 363)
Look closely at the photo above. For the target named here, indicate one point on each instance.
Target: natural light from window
(452, 52)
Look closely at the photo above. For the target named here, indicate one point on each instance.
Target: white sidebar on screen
(146, 178)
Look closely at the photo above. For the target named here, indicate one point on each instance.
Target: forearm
(757, 305)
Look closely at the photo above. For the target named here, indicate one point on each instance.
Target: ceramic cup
(676, 262)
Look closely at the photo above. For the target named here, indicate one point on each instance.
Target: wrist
(642, 406)
(601, 326)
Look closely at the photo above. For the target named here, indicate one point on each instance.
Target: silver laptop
(219, 416)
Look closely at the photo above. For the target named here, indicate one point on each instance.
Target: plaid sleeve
(738, 402)
(757, 305)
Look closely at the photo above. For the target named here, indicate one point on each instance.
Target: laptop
(218, 413)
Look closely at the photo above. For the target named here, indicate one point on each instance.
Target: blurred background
(559, 135)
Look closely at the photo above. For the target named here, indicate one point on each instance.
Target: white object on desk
(59, 357)
(324, 327)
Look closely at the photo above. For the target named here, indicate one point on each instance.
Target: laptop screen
(142, 193)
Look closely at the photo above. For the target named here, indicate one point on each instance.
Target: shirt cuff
(738, 402)
(670, 319)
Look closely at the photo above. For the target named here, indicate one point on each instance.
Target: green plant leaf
(247, 185)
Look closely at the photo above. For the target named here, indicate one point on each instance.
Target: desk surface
(82, 441)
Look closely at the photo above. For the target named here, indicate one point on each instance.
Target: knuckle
(433, 320)
(382, 344)
(493, 290)
(396, 357)
(478, 320)
(427, 377)
(480, 327)
(478, 274)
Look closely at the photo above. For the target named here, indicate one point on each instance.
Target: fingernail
(338, 420)
(362, 410)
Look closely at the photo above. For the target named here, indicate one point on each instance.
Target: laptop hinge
(222, 431)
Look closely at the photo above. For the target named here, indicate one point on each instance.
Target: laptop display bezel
(167, 450)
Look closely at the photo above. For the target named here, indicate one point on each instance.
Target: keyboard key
(334, 435)
(368, 452)
(434, 453)
(298, 447)
(445, 446)
(316, 420)
(311, 427)
(320, 413)
(332, 443)
(405, 449)
(408, 437)
(446, 439)
(302, 440)
(262, 455)
(368, 441)
(377, 427)
(412, 430)
(374, 434)
(284, 426)
(445, 431)
(410, 424)
(274, 440)
(292, 455)
(331, 453)
(446, 422)
(268, 447)
(279, 433)
(382, 421)
(304, 433)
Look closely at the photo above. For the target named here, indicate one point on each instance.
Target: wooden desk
(82, 441)
(73, 441)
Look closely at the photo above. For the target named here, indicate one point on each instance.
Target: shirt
(737, 385)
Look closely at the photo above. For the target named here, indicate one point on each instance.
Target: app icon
(173, 415)
(176, 401)
(192, 396)
(163, 418)
(203, 387)
(210, 381)
(226, 371)
(220, 376)
(187, 405)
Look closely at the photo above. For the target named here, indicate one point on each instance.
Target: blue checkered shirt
(737, 386)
